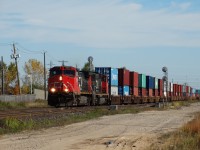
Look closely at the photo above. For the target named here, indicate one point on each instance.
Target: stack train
(111, 86)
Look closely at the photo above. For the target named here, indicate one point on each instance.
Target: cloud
(101, 24)
(182, 6)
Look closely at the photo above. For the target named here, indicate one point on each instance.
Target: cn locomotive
(71, 87)
(67, 85)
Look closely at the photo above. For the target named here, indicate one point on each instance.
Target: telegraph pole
(51, 64)
(15, 56)
(2, 76)
(63, 62)
(45, 76)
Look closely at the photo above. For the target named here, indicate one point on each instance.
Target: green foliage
(12, 125)
(10, 105)
(36, 69)
(86, 67)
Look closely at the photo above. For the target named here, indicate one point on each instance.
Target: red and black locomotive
(67, 85)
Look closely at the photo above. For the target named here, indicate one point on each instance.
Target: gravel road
(118, 132)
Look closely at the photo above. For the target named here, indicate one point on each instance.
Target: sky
(141, 35)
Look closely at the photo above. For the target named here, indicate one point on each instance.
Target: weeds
(188, 137)
(13, 105)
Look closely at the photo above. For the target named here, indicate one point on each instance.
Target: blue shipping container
(150, 82)
(123, 90)
(112, 74)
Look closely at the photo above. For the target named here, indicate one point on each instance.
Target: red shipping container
(160, 84)
(150, 92)
(142, 92)
(123, 77)
(187, 89)
(175, 89)
(160, 92)
(134, 91)
(155, 92)
(134, 79)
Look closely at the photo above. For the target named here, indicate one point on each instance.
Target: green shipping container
(156, 84)
(142, 81)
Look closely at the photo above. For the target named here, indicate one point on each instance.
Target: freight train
(105, 86)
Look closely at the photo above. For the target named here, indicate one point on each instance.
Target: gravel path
(118, 132)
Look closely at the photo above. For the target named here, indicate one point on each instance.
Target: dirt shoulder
(120, 132)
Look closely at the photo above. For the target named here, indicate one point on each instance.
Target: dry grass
(193, 127)
(187, 138)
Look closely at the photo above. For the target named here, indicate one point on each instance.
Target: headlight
(53, 90)
(60, 78)
(66, 90)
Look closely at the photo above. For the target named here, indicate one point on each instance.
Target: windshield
(69, 72)
(55, 72)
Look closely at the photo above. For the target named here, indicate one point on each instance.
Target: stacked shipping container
(150, 85)
(160, 87)
(123, 81)
(112, 74)
(134, 83)
(155, 89)
(142, 85)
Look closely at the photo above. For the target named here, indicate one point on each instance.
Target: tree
(36, 69)
(86, 67)
(2, 66)
(10, 79)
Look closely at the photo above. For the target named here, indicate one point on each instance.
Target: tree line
(33, 69)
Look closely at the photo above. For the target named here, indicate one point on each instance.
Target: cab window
(55, 72)
(69, 72)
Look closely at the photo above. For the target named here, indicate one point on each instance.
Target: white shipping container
(114, 90)
(171, 85)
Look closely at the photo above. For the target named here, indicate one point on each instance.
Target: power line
(27, 50)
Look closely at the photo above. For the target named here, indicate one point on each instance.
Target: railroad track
(49, 111)
(35, 112)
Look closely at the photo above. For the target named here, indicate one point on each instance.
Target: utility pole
(51, 64)
(15, 56)
(63, 62)
(2, 76)
(45, 94)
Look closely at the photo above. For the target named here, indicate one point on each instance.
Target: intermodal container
(142, 92)
(193, 91)
(160, 84)
(112, 74)
(134, 79)
(155, 83)
(160, 87)
(150, 82)
(155, 92)
(123, 77)
(174, 90)
(150, 92)
(134, 91)
(114, 90)
(142, 81)
(123, 90)
(171, 87)
(160, 92)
